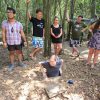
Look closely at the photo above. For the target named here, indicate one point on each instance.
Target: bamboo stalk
(27, 5)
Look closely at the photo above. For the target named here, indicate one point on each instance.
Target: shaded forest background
(51, 8)
(87, 8)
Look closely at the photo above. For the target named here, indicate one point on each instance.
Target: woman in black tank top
(56, 35)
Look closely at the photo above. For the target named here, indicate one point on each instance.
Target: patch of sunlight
(67, 50)
(35, 96)
(85, 55)
(75, 97)
(85, 51)
(17, 83)
(1, 43)
(27, 87)
(99, 57)
(24, 91)
(57, 98)
(38, 84)
(29, 73)
(9, 82)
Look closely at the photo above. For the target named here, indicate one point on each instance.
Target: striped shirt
(13, 36)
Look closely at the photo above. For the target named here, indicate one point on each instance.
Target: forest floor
(29, 84)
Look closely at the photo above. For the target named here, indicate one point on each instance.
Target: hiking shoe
(22, 64)
(10, 67)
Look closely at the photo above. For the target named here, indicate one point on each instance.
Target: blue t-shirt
(52, 71)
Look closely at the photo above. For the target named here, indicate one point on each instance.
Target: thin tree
(47, 17)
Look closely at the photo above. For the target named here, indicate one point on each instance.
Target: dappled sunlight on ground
(29, 84)
(73, 96)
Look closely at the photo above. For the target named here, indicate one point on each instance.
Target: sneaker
(22, 64)
(10, 67)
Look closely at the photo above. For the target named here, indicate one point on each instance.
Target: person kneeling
(52, 67)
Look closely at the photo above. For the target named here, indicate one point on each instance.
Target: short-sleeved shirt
(51, 70)
(56, 31)
(13, 36)
(76, 29)
(38, 26)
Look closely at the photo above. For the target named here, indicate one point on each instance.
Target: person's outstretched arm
(43, 69)
(67, 18)
(28, 14)
(4, 37)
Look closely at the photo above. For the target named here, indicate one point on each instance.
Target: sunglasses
(12, 29)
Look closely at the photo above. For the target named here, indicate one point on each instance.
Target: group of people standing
(77, 31)
(12, 32)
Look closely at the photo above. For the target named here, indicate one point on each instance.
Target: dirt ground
(29, 84)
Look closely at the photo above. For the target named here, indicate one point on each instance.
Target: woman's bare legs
(59, 48)
(90, 54)
(96, 54)
(55, 48)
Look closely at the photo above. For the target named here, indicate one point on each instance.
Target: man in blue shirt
(53, 66)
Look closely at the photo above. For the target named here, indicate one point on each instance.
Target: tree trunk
(64, 15)
(47, 16)
(72, 3)
(93, 8)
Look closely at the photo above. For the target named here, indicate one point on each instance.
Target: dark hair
(80, 16)
(55, 17)
(38, 10)
(11, 9)
(96, 26)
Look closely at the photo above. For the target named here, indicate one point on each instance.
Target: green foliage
(51, 8)
(57, 8)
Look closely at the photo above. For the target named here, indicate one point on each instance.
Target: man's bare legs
(35, 51)
(11, 56)
(32, 53)
(12, 59)
(20, 55)
(75, 51)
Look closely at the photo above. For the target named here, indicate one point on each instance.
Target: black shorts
(14, 47)
(58, 40)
